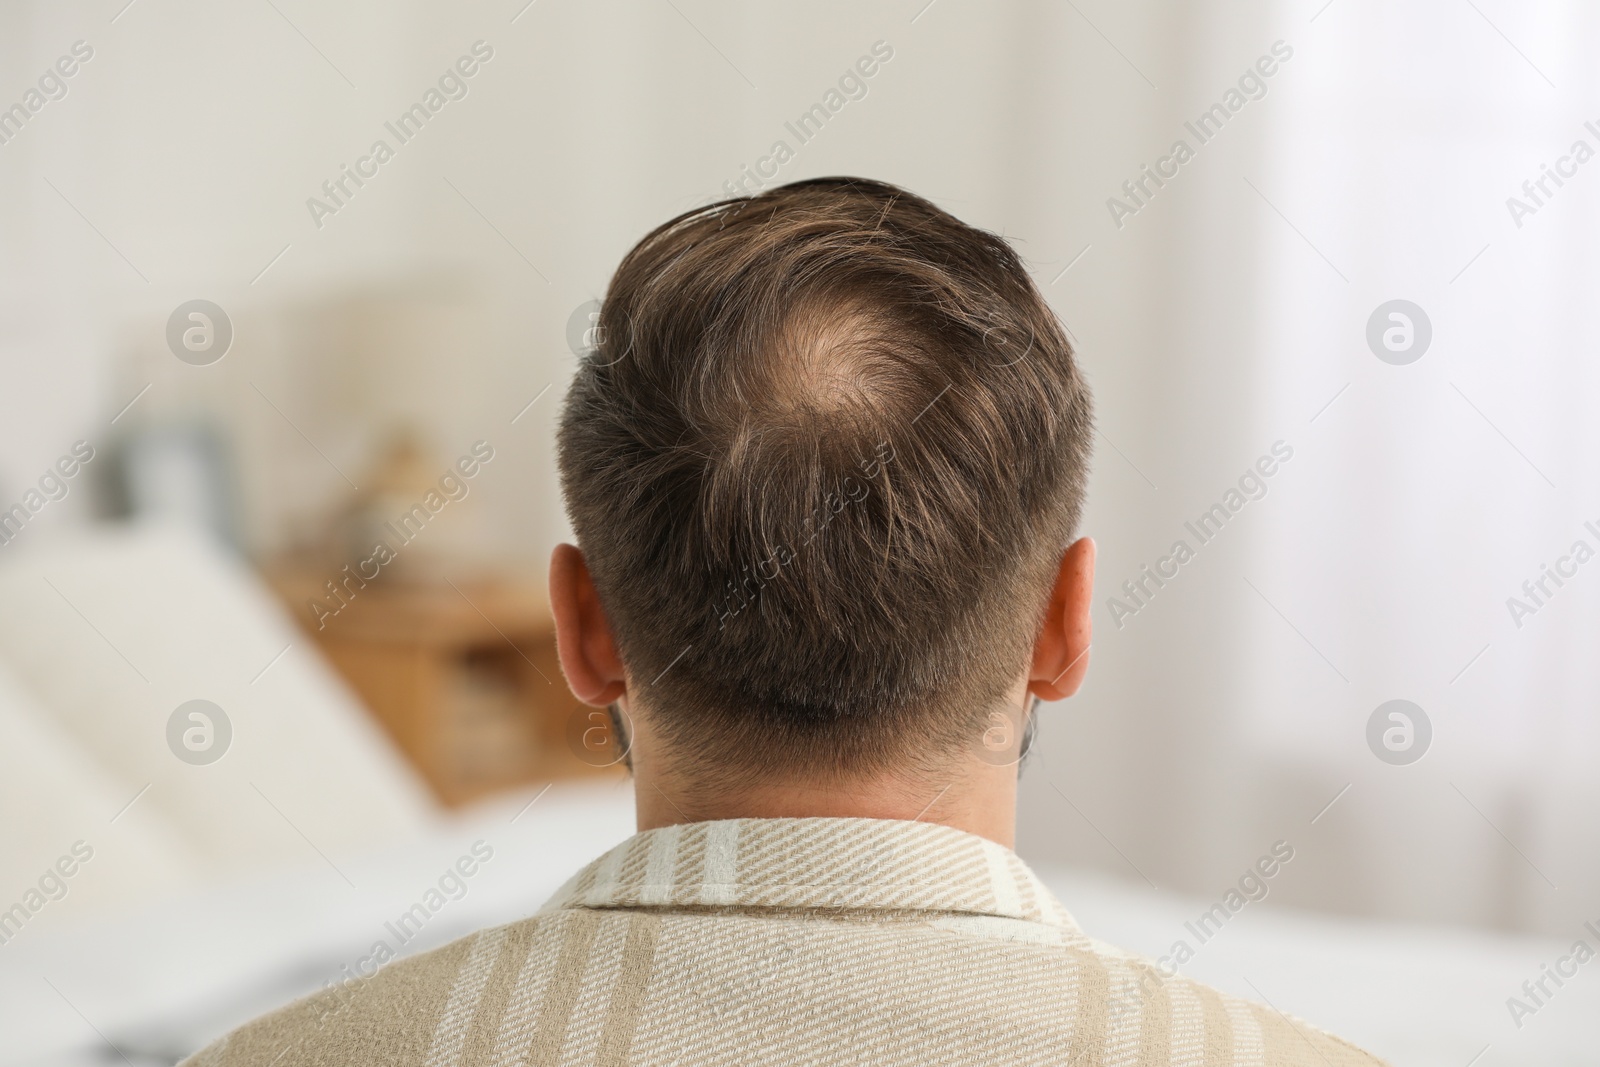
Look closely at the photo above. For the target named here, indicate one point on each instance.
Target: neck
(973, 796)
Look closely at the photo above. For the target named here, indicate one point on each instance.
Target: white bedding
(54, 795)
(112, 630)
(165, 979)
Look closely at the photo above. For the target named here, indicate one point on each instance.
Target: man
(825, 466)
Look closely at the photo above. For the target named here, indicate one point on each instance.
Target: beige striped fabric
(784, 941)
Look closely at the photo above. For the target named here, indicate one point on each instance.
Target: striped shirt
(784, 941)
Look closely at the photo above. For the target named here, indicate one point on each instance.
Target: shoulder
(1139, 996)
(391, 1016)
(1116, 999)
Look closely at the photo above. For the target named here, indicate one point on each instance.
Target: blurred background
(1328, 265)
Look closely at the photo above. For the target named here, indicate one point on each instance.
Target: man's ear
(1061, 654)
(583, 634)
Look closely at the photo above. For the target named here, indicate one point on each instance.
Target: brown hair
(823, 462)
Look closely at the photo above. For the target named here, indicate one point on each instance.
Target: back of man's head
(823, 463)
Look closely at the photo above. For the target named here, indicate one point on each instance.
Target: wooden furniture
(462, 674)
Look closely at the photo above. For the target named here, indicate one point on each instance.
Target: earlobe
(1061, 653)
(584, 643)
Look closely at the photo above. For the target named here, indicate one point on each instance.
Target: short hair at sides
(823, 462)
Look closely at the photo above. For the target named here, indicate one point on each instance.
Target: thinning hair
(823, 462)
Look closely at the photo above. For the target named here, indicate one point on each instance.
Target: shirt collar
(815, 864)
